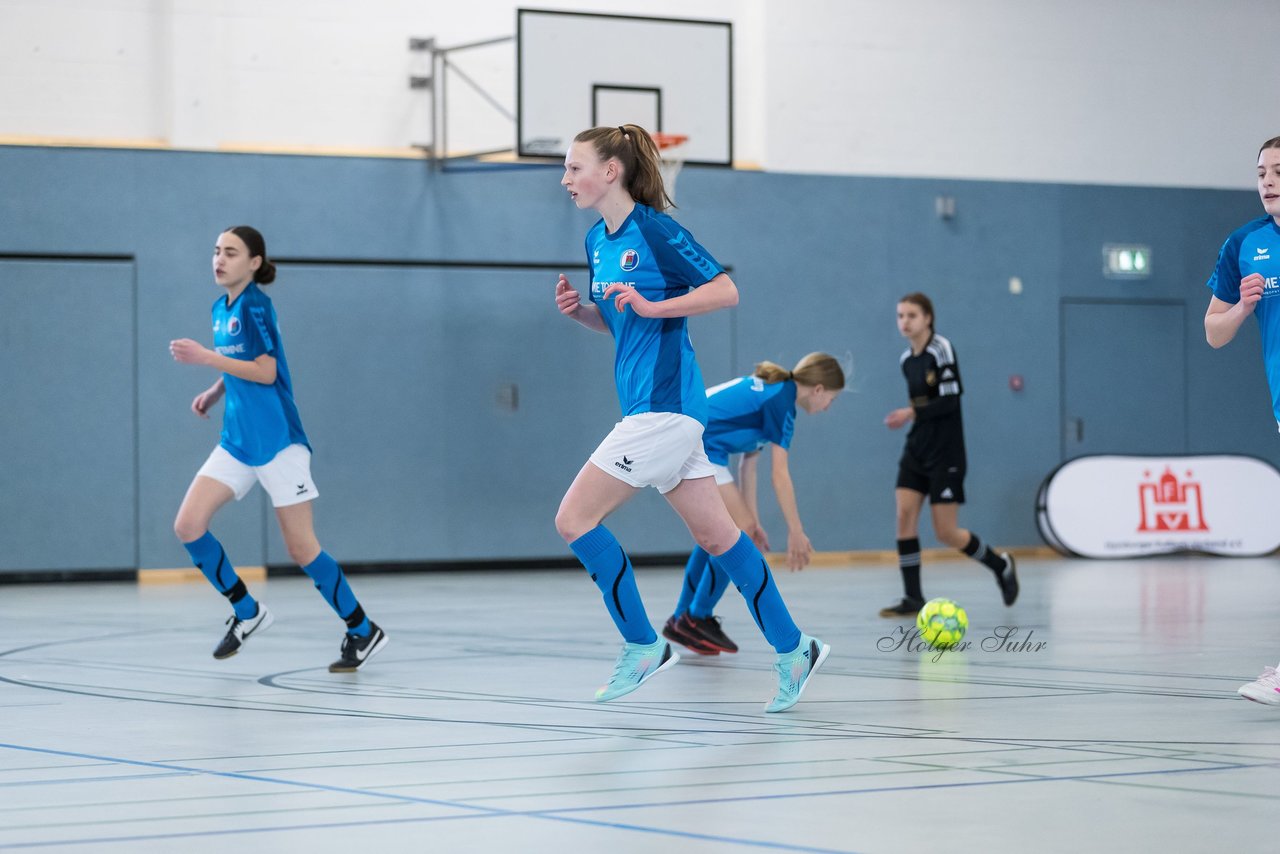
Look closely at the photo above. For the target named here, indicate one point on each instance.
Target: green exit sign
(1126, 261)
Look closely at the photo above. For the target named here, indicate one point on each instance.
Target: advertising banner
(1130, 506)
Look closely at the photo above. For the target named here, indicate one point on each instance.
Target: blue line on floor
(485, 812)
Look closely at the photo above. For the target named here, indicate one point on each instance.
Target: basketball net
(671, 148)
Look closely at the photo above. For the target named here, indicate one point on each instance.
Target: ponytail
(266, 273)
(771, 373)
(632, 147)
(814, 369)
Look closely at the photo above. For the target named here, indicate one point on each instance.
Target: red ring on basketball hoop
(671, 149)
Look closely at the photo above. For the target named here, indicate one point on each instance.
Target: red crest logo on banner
(1171, 505)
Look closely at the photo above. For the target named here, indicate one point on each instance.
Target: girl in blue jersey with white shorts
(647, 274)
(262, 442)
(745, 415)
(1247, 281)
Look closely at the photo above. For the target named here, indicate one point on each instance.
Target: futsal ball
(942, 623)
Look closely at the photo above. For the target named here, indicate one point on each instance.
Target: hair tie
(622, 130)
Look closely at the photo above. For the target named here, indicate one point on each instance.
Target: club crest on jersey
(630, 260)
(233, 326)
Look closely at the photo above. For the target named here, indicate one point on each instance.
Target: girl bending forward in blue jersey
(743, 416)
(647, 275)
(262, 442)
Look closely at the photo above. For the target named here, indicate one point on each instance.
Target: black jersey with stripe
(933, 381)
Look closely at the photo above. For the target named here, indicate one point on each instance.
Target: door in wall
(68, 424)
(1123, 378)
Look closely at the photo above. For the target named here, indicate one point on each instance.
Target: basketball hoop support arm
(438, 146)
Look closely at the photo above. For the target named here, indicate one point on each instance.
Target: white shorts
(722, 473)
(287, 478)
(657, 449)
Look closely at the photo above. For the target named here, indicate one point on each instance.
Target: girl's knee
(719, 540)
(303, 554)
(570, 527)
(188, 530)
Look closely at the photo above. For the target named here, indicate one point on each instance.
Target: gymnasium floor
(475, 731)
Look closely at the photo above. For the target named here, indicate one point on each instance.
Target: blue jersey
(1255, 248)
(259, 420)
(654, 365)
(746, 414)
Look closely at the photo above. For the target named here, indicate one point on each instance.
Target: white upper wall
(1127, 92)
(1145, 92)
(292, 74)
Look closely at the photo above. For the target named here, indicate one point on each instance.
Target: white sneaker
(1264, 689)
(240, 631)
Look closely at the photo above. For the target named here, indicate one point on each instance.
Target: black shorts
(933, 464)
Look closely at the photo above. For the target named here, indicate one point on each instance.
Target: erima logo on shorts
(625, 464)
(630, 260)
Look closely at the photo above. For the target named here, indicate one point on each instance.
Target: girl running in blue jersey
(262, 442)
(745, 415)
(647, 274)
(1246, 281)
(933, 461)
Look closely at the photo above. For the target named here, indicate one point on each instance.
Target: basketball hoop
(671, 151)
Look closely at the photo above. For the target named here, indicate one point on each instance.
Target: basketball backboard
(580, 70)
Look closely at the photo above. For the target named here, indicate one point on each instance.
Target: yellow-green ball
(942, 623)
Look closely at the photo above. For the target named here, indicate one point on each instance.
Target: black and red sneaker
(672, 631)
(708, 629)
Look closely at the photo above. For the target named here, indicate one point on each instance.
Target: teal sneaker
(637, 663)
(795, 668)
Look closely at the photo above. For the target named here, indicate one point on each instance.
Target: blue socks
(332, 584)
(704, 584)
(746, 566)
(208, 555)
(611, 570)
(693, 571)
(712, 586)
(705, 581)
